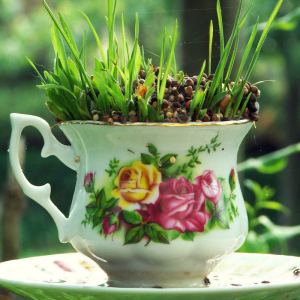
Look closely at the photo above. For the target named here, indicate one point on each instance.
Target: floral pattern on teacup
(157, 199)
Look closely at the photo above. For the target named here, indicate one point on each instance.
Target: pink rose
(181, 206)
(108, 229)
(210, 186)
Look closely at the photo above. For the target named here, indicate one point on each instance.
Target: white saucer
(73, 276)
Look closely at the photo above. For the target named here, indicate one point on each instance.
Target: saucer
(75, 277)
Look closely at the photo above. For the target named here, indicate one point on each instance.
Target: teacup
(155, 205)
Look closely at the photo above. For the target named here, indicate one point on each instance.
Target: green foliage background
(25, 31)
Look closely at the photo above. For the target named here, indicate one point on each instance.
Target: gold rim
(191, 124)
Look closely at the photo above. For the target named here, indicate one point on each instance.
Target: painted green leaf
(156, 233)
(113, 220)
(210, 207)
(148, 160)
(188, 236)
(152, 149)
(112, 204)
(167, 157)
(223, 222)
(134, 235)
(173, 234)
(132, 217)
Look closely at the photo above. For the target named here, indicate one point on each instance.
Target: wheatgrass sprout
(128, 88)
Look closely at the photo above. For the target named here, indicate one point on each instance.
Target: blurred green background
(25, 31)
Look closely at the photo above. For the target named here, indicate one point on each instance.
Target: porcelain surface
(153, 205)
(75, 277)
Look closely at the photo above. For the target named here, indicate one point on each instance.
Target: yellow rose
(137, 184)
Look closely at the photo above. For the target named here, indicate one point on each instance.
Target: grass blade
(232, 60)
(246, 53)
(220, 20)
(97, 39)
(244, 106)
(174, 60)
(36, 70)
(211, 36)
(56, 86)
(120, 101)
(263, 38)
(84, 50)
(221, 66)
(62, 52)
(82, 70)
(67, 31)
(167, 69)
(197, 97)
(159, 101)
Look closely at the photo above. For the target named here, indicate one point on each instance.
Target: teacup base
(158, 281)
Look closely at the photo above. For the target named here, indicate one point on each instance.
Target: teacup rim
(189, 124)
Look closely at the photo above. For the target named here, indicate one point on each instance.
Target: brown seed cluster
(178, 96)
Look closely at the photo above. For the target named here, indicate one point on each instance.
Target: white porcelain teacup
(154, 204)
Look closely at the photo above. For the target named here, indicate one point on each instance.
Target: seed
(209, 112)
(216, 117)
(96, 117)
(205, 75)
(142, 81)
(169, 115)
(132, 114)
(165, 104)
(105, 118)
(166, 91)
(77, 159)
(225, 100)
(181, 90)
(116, 117)
(156, 70)
(174, 83)
(211, 77)
(110, 121)
(195, 79)
(246, 91)
(252, 108)
(175, 105)
(245, 115)
(142, 74)
(166, 120)
(173, 160)
(180, 98)
(254, 90)
(258, 94)
(203, 82)
(172, 98)
(122, 119)
(175, 114)
(206, 118)
(189, 82)
(154, 104)
(189, 91)
(134, 119)
(225, 119)
(169, 82)
(183, 117)
(188, 104)
(252, 98)
(174, 120)
(198, 121)
(254, 117)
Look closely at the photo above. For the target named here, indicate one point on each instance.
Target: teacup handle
(41, 194)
